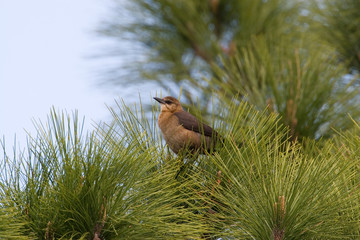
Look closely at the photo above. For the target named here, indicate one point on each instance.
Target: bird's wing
(190, 122)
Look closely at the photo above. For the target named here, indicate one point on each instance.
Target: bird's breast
(175, 135)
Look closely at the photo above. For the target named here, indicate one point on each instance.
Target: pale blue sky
(44, 61)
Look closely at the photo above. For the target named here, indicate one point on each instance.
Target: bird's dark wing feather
(190, 122)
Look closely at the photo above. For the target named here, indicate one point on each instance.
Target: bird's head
(169, 104)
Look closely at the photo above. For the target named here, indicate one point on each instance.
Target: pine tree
(338, 25)
(274, 87)
(269, 52)
(118, 182)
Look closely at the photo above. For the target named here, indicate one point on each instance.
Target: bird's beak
(160, 100)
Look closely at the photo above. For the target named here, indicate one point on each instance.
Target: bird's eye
(168, 102)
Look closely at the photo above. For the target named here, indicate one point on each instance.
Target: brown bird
(182, 130)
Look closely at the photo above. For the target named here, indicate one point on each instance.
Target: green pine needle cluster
(299, 58)
(119, 181)
(338, 26)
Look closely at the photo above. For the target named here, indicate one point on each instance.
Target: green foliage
(12, 225)
(269, 188)
(181, 39)
(277, 53)
(103, 184)
(301, 85)
(337, 24)
(118, 182)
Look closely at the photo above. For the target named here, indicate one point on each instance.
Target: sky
(45, 61)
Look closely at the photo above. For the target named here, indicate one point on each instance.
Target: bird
(183, 131)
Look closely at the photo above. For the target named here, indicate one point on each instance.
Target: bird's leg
(187, 160)
(180, 164)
